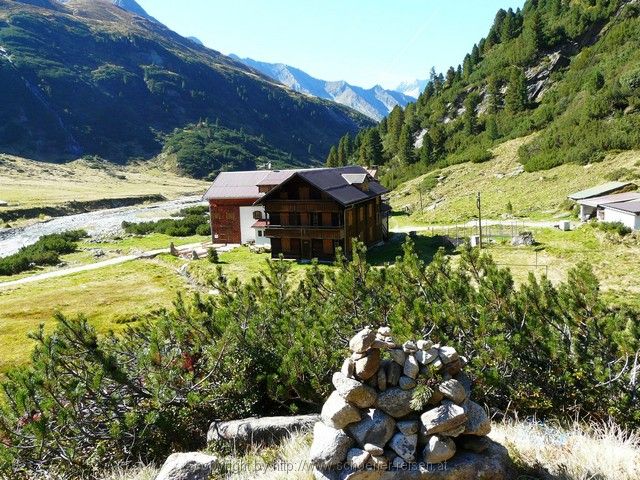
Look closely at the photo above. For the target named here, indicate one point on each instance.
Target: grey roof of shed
(628, 207)
(599, 190)
(610, 199)
(333, 183)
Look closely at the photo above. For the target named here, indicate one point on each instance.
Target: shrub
(614, 227)
(212, 255)
(266, 347)
(194, 221)
(46, 251)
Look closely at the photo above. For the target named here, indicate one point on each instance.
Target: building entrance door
(306, 249)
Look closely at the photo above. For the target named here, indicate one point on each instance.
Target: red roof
(260, 224)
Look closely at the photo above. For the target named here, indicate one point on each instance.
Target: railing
(302, 206)
(304, 231)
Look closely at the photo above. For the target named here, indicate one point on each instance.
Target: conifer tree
(516, 96)
(371, 149)
(451, 76)
(467, 66)
(332, 158)
(426, 150)
(406, 151)
(470, 115)
(493, 90)
(491, 127)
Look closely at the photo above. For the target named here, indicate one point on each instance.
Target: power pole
(420, 192)
(479, 205)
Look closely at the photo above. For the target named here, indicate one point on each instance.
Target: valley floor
(27, 184)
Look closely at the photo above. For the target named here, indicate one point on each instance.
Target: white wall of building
(629, 219)
(261, 240)
(248, 234)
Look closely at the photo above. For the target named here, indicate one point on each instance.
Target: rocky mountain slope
(89, 77)
(565, 69)
(374, 102)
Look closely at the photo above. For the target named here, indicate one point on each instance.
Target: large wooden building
(313, 212)
(303, 214)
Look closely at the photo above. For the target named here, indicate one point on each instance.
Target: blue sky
(365, 42)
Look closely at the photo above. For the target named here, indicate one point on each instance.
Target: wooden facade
(306, 222)
(225, 219)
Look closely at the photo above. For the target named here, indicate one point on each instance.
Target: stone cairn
(396, 408)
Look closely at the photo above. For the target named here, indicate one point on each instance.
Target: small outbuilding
(591, 201)
(627, 213)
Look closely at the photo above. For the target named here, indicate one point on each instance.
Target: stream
(98, 223)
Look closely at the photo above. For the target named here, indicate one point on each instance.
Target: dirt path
(82, 268)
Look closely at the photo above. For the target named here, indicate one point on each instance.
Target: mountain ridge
(88, 77)
(375, 102)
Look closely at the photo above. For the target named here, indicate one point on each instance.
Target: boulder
(373, 449)
(466, 383)
(473, 443)
(453, 390)
(382, 377)
(440, 419)
(379, 462)
(408, 427)
(448, 354)
(353, 391)
(384, 331)
(407, 383)
(337, 413)
(376, 427)
(394, 372)
(493, 463)
(424, 344)
(411, 367)
(188, 466)
(259, 431)
(357, 458)
(395, 402)
(478, 423)
(329, 447)
(348, 368)
(425, 357)
(409, 346)
(362, 341)
(398, 356)
(438, 449)
(405, 446)
(367, 366)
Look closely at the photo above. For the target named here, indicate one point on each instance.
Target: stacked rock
(396, 406)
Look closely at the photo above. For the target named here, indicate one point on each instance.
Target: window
(274, 218)
(257, 215)
(259, 233)
(316, 219)
(294, 218)
(336, 219)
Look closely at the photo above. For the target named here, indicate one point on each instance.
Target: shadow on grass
(425, 246)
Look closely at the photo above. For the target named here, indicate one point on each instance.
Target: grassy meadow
(449, 195)
(27, 183)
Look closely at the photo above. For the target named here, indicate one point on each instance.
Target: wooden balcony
(302, 206)
(305, 232)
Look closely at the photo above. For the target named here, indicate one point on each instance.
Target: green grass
(536, 195)
(153, 241)
(112, 248)
(104, 296)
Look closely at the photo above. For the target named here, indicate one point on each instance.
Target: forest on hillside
(568, 69)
